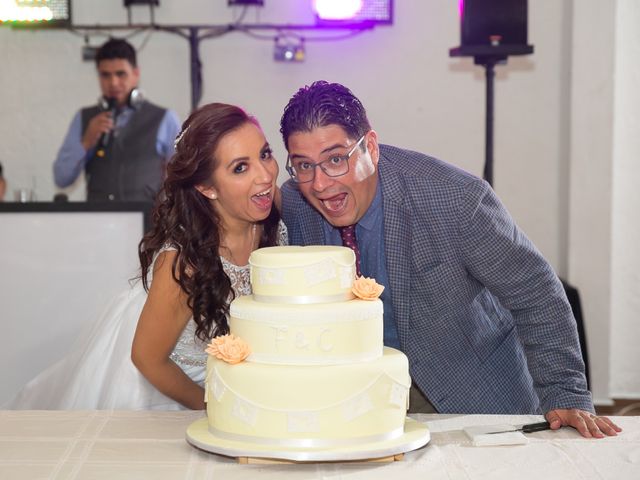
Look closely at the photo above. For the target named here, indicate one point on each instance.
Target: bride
(147, 350)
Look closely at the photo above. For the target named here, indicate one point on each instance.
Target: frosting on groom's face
(345, 199)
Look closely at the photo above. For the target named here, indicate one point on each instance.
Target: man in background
(122, 143)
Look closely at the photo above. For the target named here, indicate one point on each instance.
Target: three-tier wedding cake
(317, 380)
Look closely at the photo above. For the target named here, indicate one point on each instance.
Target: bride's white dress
(97, 374)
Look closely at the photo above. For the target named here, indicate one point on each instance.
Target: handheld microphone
(105, 139)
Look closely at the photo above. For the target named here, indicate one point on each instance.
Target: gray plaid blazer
(480, 314)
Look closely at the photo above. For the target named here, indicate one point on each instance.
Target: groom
(478, 311)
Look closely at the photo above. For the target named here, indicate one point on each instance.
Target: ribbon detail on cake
(315, 360)
(308, 442)
(304, 299)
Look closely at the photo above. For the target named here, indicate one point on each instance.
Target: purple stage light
(337, 9)
(356, 13)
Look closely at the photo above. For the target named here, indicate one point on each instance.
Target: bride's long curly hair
(186, 220)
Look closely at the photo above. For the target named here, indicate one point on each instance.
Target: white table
(151, 445)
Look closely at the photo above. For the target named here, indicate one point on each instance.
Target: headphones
(134, 100)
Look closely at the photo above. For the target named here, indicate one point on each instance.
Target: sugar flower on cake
(229, 348)
(366, 288)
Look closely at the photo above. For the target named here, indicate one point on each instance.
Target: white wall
(625, 280)
(604, 229)
(416, 95)
(590, 179)
(553, 117)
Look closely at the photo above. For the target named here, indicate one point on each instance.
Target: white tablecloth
(151, 445)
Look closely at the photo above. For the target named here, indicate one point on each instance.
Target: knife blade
(528, 428)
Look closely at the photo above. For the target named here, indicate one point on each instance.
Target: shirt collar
(125, 109)
(370, 219)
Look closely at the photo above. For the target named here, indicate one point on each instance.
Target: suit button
(111, 196)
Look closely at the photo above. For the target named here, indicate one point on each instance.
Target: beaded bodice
(189, 349)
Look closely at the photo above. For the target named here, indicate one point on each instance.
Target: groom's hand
(588, 424)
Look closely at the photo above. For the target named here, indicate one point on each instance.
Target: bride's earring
(207, 191)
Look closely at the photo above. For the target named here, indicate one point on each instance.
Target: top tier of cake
(303, 275)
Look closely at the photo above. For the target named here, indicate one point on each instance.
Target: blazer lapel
(397, 245)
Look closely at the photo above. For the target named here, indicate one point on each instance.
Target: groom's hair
(322, 104)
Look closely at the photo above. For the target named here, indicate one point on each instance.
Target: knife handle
(535, 427)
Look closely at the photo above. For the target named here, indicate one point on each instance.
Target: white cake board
(415, 435)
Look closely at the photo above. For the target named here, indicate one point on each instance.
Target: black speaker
(576, 307)
(491, 22)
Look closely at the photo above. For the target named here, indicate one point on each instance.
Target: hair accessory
(179, 137)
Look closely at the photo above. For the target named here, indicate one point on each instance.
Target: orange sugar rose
(366, 288)
(229, 348)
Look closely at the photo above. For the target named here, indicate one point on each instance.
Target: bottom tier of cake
(290, 405)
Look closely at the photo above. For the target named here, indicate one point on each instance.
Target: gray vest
(131, 169)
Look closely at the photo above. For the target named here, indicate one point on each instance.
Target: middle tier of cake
(326, 334)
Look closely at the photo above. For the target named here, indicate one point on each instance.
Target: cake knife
(528, 428)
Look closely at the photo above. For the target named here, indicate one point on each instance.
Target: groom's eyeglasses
(303, 171)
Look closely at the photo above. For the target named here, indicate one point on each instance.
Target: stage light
(35, 12)
(289, 49)
(337, 10)
(232, 3)
(341, 12)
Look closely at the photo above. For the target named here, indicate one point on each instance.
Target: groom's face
(345, 199)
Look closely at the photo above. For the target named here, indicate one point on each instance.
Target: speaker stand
(489, 64)
(489, 56)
